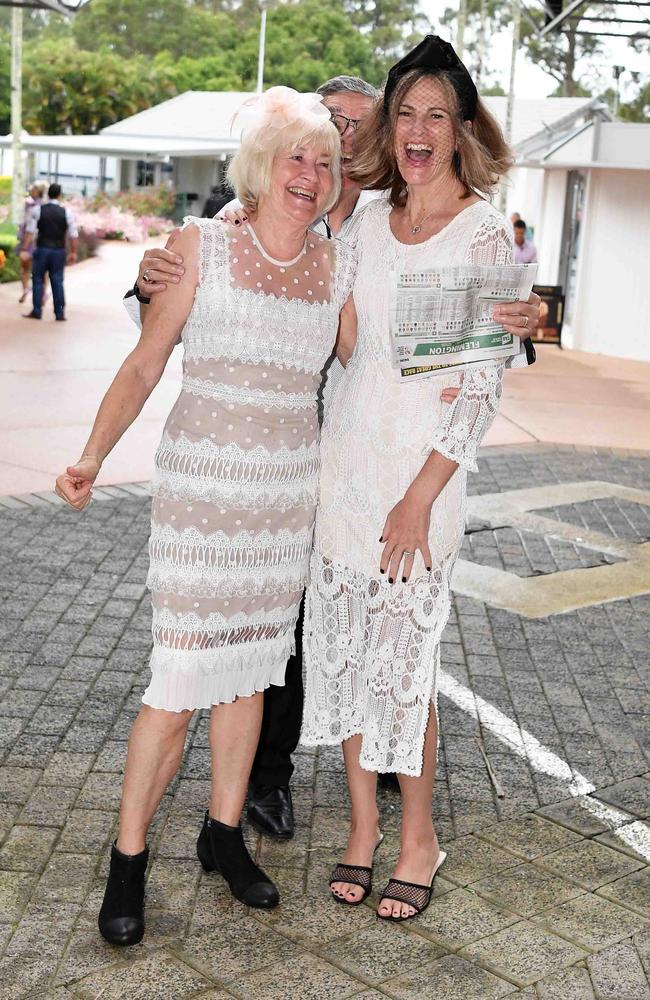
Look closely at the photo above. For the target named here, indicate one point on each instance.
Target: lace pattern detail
(369, 652)
(468, 418)
(245, 396)
(372, 650)
(216, 565)
(237, 469)
(253, 478)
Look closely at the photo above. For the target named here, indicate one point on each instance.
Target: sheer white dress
(237, 468)
(371, 648)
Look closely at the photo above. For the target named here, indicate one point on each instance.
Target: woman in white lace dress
(235, 483)
(395, 459)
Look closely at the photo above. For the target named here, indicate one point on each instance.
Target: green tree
(140, 27)
(391, 26)
(66, 90)
(558, 54)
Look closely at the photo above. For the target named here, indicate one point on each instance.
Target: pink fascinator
(279, 107)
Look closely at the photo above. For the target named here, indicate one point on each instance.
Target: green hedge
(11, 270)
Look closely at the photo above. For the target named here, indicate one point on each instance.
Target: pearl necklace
(272, 260)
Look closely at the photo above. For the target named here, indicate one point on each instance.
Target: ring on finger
(146, 277)
(407, 552)
(525, 323)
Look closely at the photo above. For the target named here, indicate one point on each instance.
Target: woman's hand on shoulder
(75, 485)
(406, 531)
(160, 266)
(235, 216)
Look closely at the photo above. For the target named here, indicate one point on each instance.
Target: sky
(530, 81)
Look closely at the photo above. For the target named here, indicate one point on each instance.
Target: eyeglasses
(342, 123)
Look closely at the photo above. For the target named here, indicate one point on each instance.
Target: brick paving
(546, 890)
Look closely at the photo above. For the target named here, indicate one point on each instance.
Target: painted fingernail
(403, 579)
(237, 222)
(381, 539)
(390, 579)
(428, 569)
(381, 571)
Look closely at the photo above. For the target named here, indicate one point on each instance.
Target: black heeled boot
(121, 918)
(221, 848)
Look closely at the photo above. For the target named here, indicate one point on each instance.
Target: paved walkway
(52, 377)
(542, 799)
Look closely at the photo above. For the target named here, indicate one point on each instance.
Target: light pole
(510, 103)
(260, 56)
(18, 179)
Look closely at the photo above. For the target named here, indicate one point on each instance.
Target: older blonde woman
(394, 466)
(235, 483)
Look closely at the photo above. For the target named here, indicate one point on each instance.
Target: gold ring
(525, 322)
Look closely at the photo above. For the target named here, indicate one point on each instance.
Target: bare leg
(234, 735)
(364, 829)
(418, 841)
(25, 272)
(155, 751)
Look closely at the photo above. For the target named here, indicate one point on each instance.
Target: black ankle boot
(121, 918)
(222, 849)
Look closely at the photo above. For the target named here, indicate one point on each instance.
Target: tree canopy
(116, 57)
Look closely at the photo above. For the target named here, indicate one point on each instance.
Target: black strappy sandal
(359, 875)
(410, 893)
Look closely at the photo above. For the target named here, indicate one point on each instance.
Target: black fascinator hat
(436, 56)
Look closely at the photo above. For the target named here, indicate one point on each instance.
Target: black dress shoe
(31, 315)
(270, 811)
(121, 918)
(221, 848)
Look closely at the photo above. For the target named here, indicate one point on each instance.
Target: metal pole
(460, 27)
(510, 104)
(260, 58)
(18, 180)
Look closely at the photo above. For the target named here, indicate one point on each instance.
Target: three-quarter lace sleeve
(469, 417)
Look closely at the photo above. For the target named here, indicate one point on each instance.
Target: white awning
(130, 147)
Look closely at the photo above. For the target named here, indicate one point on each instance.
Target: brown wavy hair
(482, 156)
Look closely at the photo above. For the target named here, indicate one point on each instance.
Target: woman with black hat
(394, 466)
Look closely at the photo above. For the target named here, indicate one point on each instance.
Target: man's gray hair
(349, 84)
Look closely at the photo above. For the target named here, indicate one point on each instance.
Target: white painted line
(542, 759)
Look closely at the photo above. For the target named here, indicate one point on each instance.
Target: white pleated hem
(188, 679)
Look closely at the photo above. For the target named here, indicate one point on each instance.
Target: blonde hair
(250, 169)
(481, 158)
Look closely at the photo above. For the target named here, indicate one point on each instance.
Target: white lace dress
(237, 468)
(371, 648)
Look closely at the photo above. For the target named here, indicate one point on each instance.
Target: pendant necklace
(417, 228)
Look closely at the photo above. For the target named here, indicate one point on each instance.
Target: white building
(582, 181)
(586, 188)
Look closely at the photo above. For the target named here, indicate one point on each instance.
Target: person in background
(54, 227)
(33, 199)
(220, 195)
(525, 249)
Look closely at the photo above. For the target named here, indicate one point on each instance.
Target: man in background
(56, 234)
(525, 250)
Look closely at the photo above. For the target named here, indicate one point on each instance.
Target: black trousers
(281, 722)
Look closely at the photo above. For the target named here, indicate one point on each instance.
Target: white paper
(441, 318)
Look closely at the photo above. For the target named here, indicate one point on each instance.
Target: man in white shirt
(53, 226)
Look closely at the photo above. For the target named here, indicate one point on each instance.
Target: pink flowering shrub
(111, 222)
